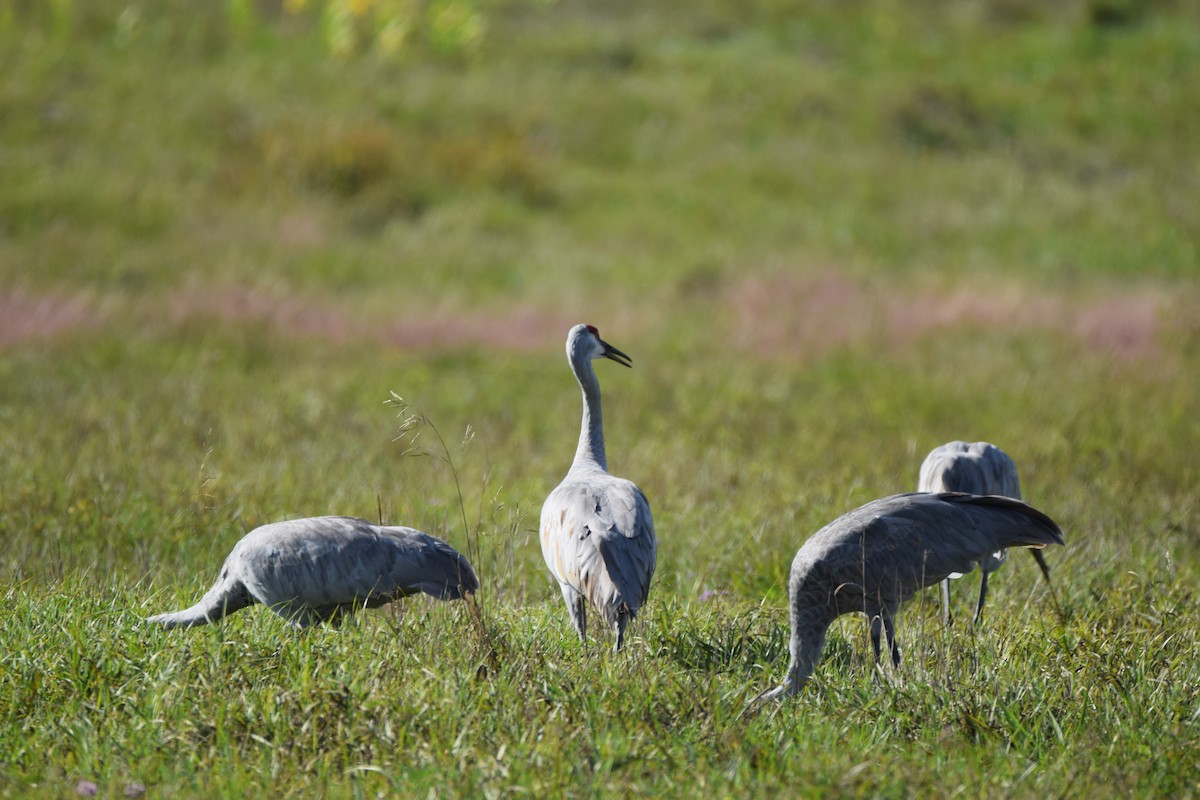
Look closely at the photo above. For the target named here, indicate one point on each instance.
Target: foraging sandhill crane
(876, 557)
(596, 530)
(974, 468)
(320, 568)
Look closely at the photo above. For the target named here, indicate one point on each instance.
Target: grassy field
(831, 238)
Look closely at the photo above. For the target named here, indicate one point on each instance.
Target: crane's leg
(338, 614)
(1041, 559)
(1046, 574)
(946, 602)
(876, 629)
(889, 629)
(619, 628)
(576, 610)
(884, 623)
(982, 594)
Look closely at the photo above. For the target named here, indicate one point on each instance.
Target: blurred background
(832, 236)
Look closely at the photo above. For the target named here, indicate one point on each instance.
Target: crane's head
(585, 341)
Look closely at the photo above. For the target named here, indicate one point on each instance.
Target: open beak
(616, 355)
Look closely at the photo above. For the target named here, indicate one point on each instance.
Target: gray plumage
(596, 530)
(320, 568)
(974, 468)
(879, 555)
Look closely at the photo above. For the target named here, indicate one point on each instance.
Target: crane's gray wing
(562, 530)
(947, 533)
(421, 562)
(903, 543)
(626, 542)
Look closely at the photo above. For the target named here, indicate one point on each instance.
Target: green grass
(791, 219)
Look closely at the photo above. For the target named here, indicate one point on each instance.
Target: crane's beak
(616, 355)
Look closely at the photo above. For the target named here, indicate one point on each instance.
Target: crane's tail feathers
(444, 591)
(1040, 531)
(611, 604)
(460, 580)
(225, 597)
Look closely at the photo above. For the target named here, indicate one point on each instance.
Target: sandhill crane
(876, 557)
(596, 530)
(974, 468)
(320, 568)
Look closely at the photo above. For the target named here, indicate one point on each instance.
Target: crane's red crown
(592, 328)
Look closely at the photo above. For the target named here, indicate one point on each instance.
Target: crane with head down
(879, 555)
(319, 569)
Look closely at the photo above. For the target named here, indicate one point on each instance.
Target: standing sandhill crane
(975, 468)
(879, 555)
(597, 534)
(320, 568)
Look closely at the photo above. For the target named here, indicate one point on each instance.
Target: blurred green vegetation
(831, 236)
(586, 145)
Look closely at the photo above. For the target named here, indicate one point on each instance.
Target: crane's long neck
(591, 430)
(810, 622)
(805, 651)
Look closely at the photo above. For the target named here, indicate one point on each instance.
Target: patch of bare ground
(805, 316)
(300, 229)
(783, 315)
(28, 317)
(519, 328)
